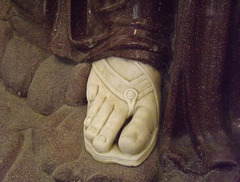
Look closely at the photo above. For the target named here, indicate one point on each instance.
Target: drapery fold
(197, 126)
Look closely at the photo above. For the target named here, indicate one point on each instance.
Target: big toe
(138, 133)
(131, 142)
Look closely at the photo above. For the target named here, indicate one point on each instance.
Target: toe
(137, 133)
(93, 109)
(95, 106)
(104, 141)
(94, 127)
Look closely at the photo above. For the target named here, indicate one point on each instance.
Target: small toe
(95, 106)
(93, 110)
(93, 126)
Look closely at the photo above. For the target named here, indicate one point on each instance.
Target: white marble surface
(123, 111)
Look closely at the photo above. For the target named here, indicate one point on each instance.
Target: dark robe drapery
(86, 31)
(200, 125)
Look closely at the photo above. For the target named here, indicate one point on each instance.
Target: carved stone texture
(15, 115)
(32, 31)
(54, 119)
(11, 143)
(5, 113)
(55, 147)
(76, 91)
(26, 164)
(5, 34)
(5, 9)
(19, 64)
(49, 86)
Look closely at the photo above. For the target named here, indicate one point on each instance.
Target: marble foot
(123, 111)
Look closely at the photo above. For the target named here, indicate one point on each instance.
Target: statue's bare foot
(119, 91)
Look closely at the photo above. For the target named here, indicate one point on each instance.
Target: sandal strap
(128, 91)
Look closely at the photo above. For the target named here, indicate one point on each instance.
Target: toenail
(102, 139)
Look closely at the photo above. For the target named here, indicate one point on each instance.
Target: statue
(129, 44)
